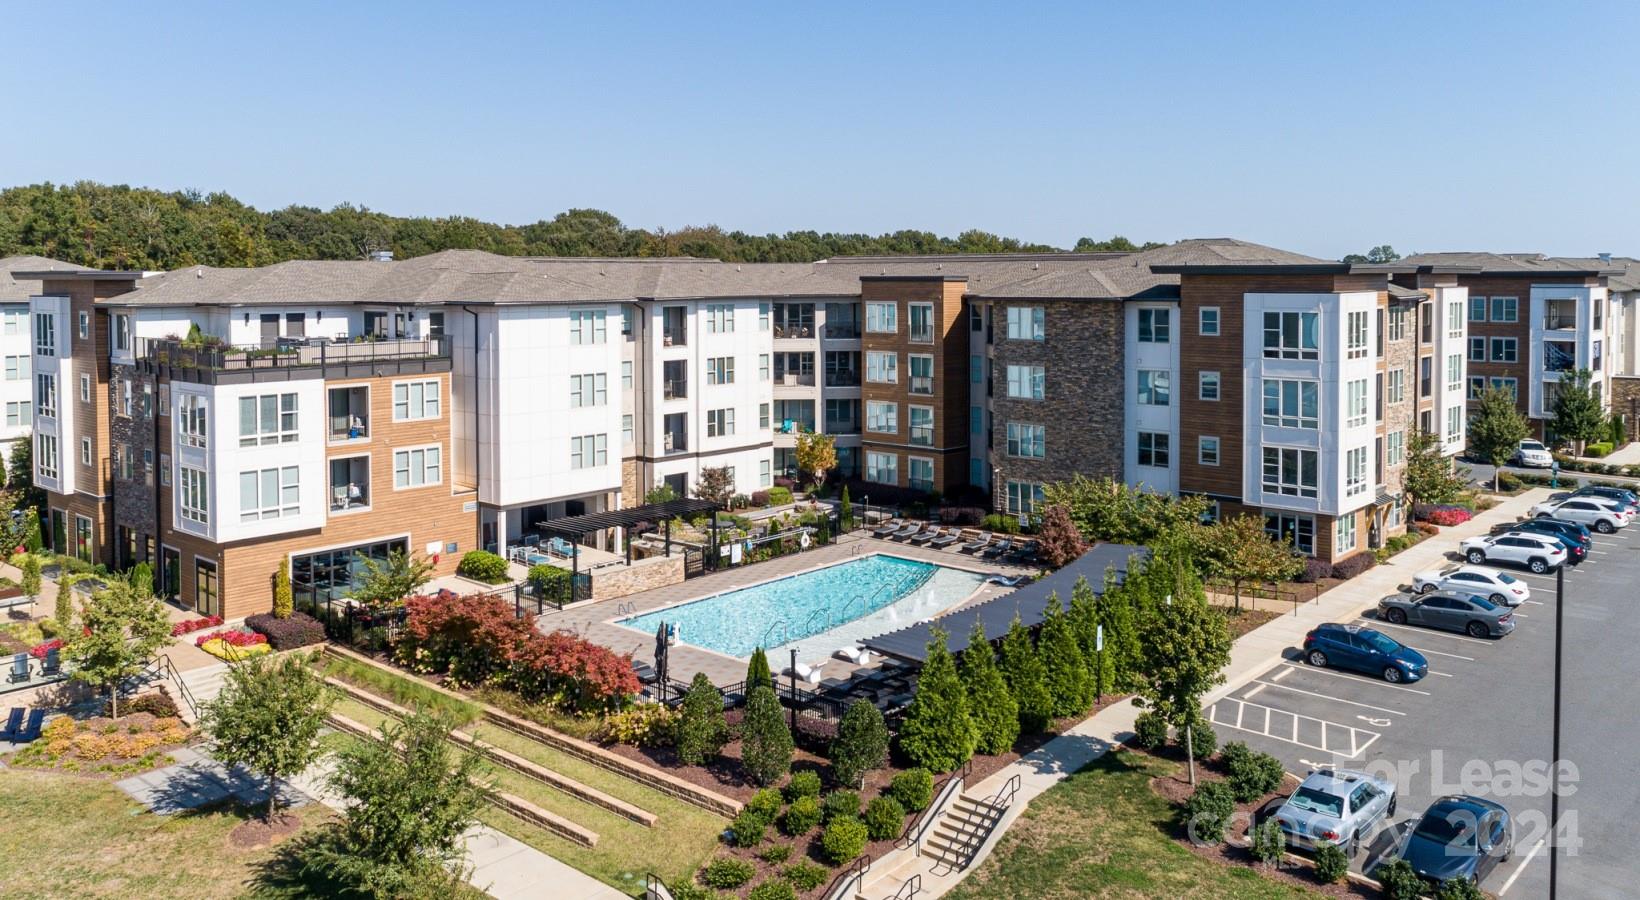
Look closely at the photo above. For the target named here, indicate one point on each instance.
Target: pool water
(817, 612)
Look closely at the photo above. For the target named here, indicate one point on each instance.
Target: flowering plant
(39, 651)
(189, 626)
(232, 638)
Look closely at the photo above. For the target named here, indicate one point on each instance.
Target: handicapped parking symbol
(1376, 723)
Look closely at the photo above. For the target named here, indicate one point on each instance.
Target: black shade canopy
(1030, 602)
(575, 526)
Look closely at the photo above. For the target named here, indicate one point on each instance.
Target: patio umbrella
(660, 657)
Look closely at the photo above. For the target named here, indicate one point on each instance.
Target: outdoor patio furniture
(645, 672)
(19, 669)
(997, 550)
(946, 539)
(14, 724)
(906, 531)
(858, 655)
(53, 664)
(31, 729)
(926, 535)
(887, 528)
(1026, 552)
(1009, 580)
(976, 545)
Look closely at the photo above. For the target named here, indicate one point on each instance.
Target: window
(883, 468)
(1026, 323)
(720, 318)
(82, 538)
(14, 319)
(46, 449)
(20, 413)
(587, 326)
(1599, 312)
(976, 420)
(1477, 349)
(194, 496)
(763, 416)
(1426, 323)
(763, 317)
(882, 367)
(1344, 539)
(1026, 382)
(122, 332)
(85, 451)
(1292, 335)
(1355, 472)
(85, 388)
(920, 318)
(922, 425)
(1154, 387)
(584, 390)
(1477, 309)
(1395, 448)
(626, 375)
(45, 333)
(267, 419)
(1356, 335)
(1505, 309)
(1299, 531)
(1398, 324)
(881, 318)
(922, 372)
(45, 395)
(1426, 366)
(1027, 441)
(1207, 450)
(1505, 384)
(763, 367)
(435, 324)
(423, 466)
(720, 422)
(1505, 349)
(1155, 326)
(882, 417)
(18, 368)
(164, 403)
(1208, 386)
(720, 370)
(1290, 471)
(1454, 423)
(1153, 448)
(1477, 386)
(1024, 497)
(125, 397)
(1378, 395)
(920, 473)
(1356, 395)
(976, 369)
(1454, 319)
(1292, 404)
(1207, 320)
(626, 430)
(269, 494)
(765, 473)
(415, 400)
(1454, 372)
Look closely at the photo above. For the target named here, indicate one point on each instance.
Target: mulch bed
(257, 832)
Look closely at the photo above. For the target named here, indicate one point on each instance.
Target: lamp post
(1554, 787)
(794, 691)
(1098, 665)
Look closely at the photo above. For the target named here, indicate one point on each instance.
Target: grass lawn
(1104, 833)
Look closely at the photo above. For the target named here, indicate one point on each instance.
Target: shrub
(1000, 524)
(282, 598)
(775, 854)
(727, 872)
(1203, 739)
(938, 732)
(157, 704)
(803, 784)
(1268, 844)
(189, 626)
(861, 745)
(748, 828)
(840, 805)
(801, 816)
(1252, 774)
(884, 816)
(701, 731)
(779, 495)
(1331, 863)
(1314, 570)
(772, 890)
(1149, 730)
(548, 580)
(766, 743)
(843, 840)
(1427, 530)
(1207, 813)
(1460, 889)
(913, 788)
(482, 565)
(1400, 880)
(1598, 449)
(805, 876)
(297, 630)
(688, 890)
(644, 725)
(1509, 483)
(1353, 566)
(233, 645)
(765, 804)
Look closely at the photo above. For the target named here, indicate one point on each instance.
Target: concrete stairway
(203, 685)
(959, 833)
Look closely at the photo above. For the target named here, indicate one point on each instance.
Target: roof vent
(1035, 266)
(380, 256)
(199, 273)
(1606, 258)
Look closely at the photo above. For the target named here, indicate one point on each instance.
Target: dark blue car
(1459, 837)
(1364, 650)
(1562, 528)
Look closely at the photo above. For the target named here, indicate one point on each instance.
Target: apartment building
(16, 349)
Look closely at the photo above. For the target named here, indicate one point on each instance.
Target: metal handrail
(169, 669)
(911, 888)
(847, 879)
(971, 833)
(785, 634)
(925, 818)
(654, 888)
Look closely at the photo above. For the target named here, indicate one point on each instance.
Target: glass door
(207, 590)
(170, 573)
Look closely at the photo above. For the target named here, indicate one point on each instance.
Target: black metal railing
(313, 352)
(911, 888)
(925, 819)
(849, 879)
(168, 669)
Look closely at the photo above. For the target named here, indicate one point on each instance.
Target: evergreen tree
(766, 742)
(64, 611)
(1496, 429)
(31, 529)
(1067, 672)
(861, 745)
(31, 579)
(938, 733)
(1577, 415)
(1185, 645)
(845, 511)
(283, 602)
(757, 672)
(1084, 616)
(702, 731)
(992, 705)
(1118, 612)
(1027, 680)
(142, 579)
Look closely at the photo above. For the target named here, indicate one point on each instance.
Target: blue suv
(1364, 650)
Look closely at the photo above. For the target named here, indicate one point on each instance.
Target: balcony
(675, 379)
(798, 332)
(846, 330)
(676, 389)
(349, 418)
(674, 327)
(1559, 356)
(1559, 314)
(675, 433)
(349, 483)
(213, 362)
(922, 384)
(843, 378)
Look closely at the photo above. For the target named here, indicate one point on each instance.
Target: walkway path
(1251, 654)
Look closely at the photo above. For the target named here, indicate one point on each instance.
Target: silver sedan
(1452, 610)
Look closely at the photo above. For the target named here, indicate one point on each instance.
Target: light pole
(1554, 786)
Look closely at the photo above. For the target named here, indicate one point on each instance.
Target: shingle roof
(1401, 292)
(13, 290)
(1487, 263)
(1131, 276)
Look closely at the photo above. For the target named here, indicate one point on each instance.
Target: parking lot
(1481, 723)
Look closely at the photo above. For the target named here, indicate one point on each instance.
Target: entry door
(679, 483)
(270, 329)
(401, 325)
(170, 573)
(207, 590)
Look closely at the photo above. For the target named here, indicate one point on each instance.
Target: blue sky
(1321, 127)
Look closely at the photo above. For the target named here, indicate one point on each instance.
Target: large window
(422, 466)
(882, 417)
(1290, 471)
(1155, 326)
(332, 573)
(1026, 323)
(1454, 319)
(584, 390)
(881, 318)
(45, 395)
(1398, 323)
(1395, 448)
(920, 318)
(1292, 335)
(1454, 424)
(45, 334)
(269, 493)
(1026, 382)
(1505, 350)
(191, 421)
(882, 367)
(720, 422)
(1295, 530)
(415, 400)
(1356, 335)
(922, 425)
(194, 495)
(1344, 537)
(1356, 395)
(267, 419)
(920, 473)
(587, 326)
(1024, 497)
(1292, 404)
(1454, 372)
(1505, 309)
(720, 318)
(1355, 471)
(1027, 441)
(1154, 448)
(48, 463)
(922, 372)
(720, 370)
(1208, 386)
(1154, 387)
(883, 468)
(1395, 389)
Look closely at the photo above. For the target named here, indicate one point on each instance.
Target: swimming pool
(817, 612)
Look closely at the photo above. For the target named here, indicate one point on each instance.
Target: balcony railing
(1556, 359)
(675, 442)
(1554, 321)
(677, 389)
(214, 362)
(793, 379)
(922, 435)
(349, 496)
(922, 384)
(675, 337)
(842, 426)
(846, 378)
(842, 330)
(794, 331)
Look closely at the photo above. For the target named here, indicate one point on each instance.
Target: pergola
(575, 527)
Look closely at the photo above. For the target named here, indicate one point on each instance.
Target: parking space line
(1442, 674)
(1374, 623)
(1281, 674)
(1439, 653)
(1357, 745)
(1520, 868)
(1252, 693)
(1534, 602)
(1393, 712)
(1360, 680)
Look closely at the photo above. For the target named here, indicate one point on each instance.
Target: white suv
(1534, 454)
(1535, 553)
(1591, 511)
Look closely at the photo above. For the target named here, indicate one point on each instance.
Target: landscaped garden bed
(104, 747)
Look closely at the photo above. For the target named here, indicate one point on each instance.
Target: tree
(861, 745)
(1112, 511)
(1084, 620)
(20, 477)
(1067, 672)
(31, 530)
(64, 610)
(845, 511)
(1118, 611)
(757, 671)
(1059, 541)
(1576, 415)
(1245, 552)
(1429, 476)
(1027, 679)
(142, 579)
(31, 580)
(268, 718)
(938, 733)
(386, 583)
(123, 630)
(990, 703)
(1496, 429)
(283, 603)
(701, 731)
(412, 797)
(766, 742)
(716, 483)
(1184, 645)
(1383, 253)
(816, 454)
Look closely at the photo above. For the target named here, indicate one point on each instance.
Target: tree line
(118, 226)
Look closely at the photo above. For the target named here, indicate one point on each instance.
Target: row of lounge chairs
(19, 730)
(22, 667)
(985, 544)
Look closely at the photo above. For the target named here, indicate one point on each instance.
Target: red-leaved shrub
(39, 651)
(190, 626)
(232, 637)
(1355, 565)
(1449, 515)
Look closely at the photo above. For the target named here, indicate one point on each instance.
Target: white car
(1501, 588)
(1591, 511)
(1533, 454)
(1536, 553)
